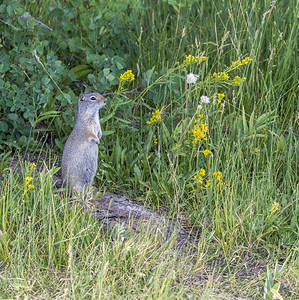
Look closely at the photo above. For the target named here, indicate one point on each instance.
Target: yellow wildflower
(28, 179)
(218, 175)
(237, 80)
(127, 76)
(220, 96)
(156, 117)
(208, 182)
(221, 76)
(198, 178)
(155, 140)
(193, 59)
(31, 186)
(246, 60)
(202, 172)
(206, 152)
(220, 183)
(199, 131)
(236, 64)
(199, 115)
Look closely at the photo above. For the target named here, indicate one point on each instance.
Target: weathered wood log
(112, 210)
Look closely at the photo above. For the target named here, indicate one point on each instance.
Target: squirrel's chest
(90, 152)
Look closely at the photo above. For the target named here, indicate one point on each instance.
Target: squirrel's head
(91, 101)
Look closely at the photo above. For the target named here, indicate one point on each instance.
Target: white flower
(205, 99)
(199, 106)
(191, 78)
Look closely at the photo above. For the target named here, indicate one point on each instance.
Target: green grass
(49, 249)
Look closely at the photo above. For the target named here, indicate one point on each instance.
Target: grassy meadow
(201, 121)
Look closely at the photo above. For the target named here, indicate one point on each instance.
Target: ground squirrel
(80, 154)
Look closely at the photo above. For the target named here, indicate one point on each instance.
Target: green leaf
(251, 120)
(282, 145)
(3, 126)
(92, 79)
(110, 77)
(119, 65)
(137, 172)
(149, 74)
(45, 80)
(13, 117)
(106, 118)
(107, 132)
(59, 144)
(106, 71)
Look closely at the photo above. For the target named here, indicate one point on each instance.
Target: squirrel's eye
(92, 98)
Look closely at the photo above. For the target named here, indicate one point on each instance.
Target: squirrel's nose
(105, 101)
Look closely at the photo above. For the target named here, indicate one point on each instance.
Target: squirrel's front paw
(97, 141)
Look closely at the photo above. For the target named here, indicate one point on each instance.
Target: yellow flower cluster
(156, 117)
(127, 76)
(217, 98)
(206, 152)
(199, 177)
(193, 59)
(239, 63)
(199, 131)
(155, 140)
(237, 81)
(218, 176)
(202, 172)
(199, 115)
(221, 76)
(220, 96)
(28, 186)
(28, 179)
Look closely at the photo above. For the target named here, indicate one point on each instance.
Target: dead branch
(24, 16)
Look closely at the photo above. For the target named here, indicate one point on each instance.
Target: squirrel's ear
(81, 97)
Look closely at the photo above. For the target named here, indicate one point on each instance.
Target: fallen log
(112, 210)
